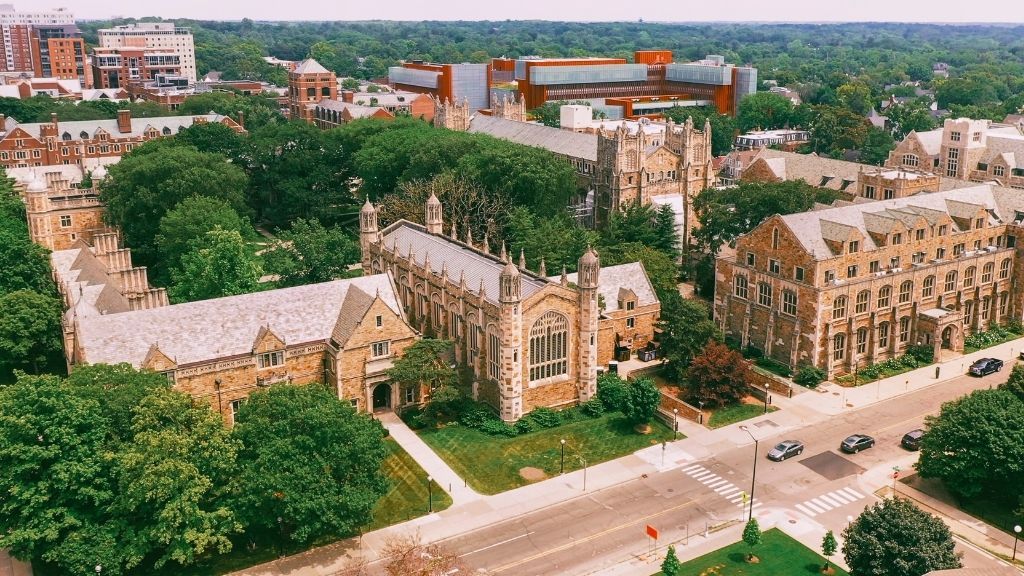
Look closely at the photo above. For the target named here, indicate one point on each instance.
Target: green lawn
(780, 555)
(736, 413)
(491, 464)
(408, 496)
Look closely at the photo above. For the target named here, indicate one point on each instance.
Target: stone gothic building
(530, 341)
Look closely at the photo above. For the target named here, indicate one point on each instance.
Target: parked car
(786, 449)
(912, 440)
(856, 443)
(985, 366)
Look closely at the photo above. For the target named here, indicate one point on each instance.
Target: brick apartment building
(87, 142)
(855, 284)
(529, 339)
(131, 51)
(43, 43)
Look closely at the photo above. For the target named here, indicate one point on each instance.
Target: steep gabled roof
(311, 66)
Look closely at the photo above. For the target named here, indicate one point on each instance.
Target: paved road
(820, 486)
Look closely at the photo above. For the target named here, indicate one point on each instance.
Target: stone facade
(58, 209)
(857, 284)
(344, 334)
(529, 340)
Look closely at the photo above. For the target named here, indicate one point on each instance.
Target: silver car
(786, 449)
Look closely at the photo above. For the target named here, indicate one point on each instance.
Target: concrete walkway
(439, 471)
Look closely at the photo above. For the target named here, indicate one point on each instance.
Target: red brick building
(308, 84)
(55, 143)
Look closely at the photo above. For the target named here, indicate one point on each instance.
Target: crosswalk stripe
(821, 503)
(853, 493)
(692, 468)
(756, 505)
(725, 488)
(736, 497)
(713, 482)
(732, 491)
(814, 507)
(841, 496)
(704, 474)
(836, 503)
(806, 510)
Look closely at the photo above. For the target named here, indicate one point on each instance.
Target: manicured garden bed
(733, 413)
(992, 337)
(779, 555)
(493, 464)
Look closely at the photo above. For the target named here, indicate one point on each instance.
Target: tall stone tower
(308, 84)
(368, 232)
(453, 116)
(510, 381)
(589, 270)
(432, 216)
(508, 108)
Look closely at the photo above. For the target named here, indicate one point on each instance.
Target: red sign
(652, 531)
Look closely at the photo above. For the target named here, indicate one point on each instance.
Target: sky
(572, 10)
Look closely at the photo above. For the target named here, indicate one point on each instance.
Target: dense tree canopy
(686, 328)
(308, 253)
(218, 264)
(30, 331)
(187, 224)
(717, 376)
(896, 538)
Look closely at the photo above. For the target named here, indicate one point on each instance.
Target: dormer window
(270, 359)
(897, 239)
(979, 223)
(998, 171)
(630, 305)
(854, 247)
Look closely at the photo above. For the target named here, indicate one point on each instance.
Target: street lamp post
(753, 475)
(700, 403)
(280, 537)
(1016, 536)
(675, 423)
(561, 465)
(430, 494)
(765, 397)
(99, 568)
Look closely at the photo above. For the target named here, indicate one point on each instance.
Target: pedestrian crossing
(720, 486)
(826, 502)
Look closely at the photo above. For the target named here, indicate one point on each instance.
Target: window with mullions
(549, 346)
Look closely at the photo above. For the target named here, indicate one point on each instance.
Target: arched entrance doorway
(947, 337)
(382, 397)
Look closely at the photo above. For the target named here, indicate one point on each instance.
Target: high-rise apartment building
(133, 49)
(42, 43)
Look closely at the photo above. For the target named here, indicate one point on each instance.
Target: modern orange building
(645, 87)
(453, 82)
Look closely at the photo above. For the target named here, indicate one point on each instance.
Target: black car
(912, 440)
(856, 443)
(985, 366)
(786, 449)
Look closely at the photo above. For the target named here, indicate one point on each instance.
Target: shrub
(641, 401)
(923, 353)
(753, 352)
(809, 376)
(544, 417)
(612, 392)
(773, 365)
(592, 408)
(495, 427)
(526, 425)
(475, 417)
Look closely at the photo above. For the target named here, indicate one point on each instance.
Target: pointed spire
(565, 277)
(469, 236)
(487, 244)
(444, 270)
(504, 253)
(462, 281)
(455, 235)
(543, 272)
(522, 260)
(426, 261)
(482, 292)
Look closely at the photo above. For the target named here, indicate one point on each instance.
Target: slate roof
(139, 125)
(84, 278)
(443, 252)
(311, 66)
(811, 228)
(565, 142)
(201, 331)
(612, 279)
(354, 110)
(811, 168)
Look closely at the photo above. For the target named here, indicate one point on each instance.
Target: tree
(686, 328)
(752, 537)
(1015, 383)
(856, 96)
(718, 375)
(409, 556)
(835, 130)
(30, 331)
(671, 565)
(426, 364)
(877, 146)
(643, 224)
(156, 177)
(557, 239)
(186, 224)
(218, 265)
(309, 253)
(896, 538)
(211, 137)
(612, 392)
(254, 111)
(25, 264)
(662, 271)
(905, 118)
(350, 84)
(828, 549)
(641, 402)
(763, 111)
(974, 445)
(549, 113)
(307, 458)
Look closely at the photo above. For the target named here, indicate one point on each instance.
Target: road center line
(513, 539)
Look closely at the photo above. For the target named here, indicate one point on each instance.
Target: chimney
(348, 96)
(124, 121)
(53, 118)
(241, 119)
(3, 123)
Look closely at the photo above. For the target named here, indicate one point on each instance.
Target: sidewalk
(439, 471)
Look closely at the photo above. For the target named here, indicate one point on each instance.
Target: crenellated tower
(453, 116)
(588, 272)
(510, 381)
(509, 108)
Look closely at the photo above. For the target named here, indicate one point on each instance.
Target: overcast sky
(589, 10)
